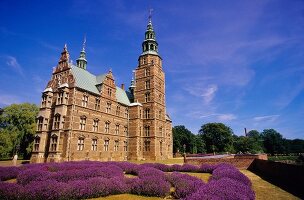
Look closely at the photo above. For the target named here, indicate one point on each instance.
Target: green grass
(280, 158)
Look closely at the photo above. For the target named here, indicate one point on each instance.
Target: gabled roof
(87, 81)
(84, 79)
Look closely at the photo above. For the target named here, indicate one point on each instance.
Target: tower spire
(150, 45)
(82, 61)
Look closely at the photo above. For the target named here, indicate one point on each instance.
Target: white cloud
(268, 118)
(220, 116)
(13, 63)
(209, 93)
(226, 117)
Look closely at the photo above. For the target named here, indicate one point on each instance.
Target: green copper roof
(121, 96)
(87, 81)
(84, 79)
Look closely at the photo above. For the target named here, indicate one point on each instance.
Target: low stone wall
(239, 161)
(286, 176)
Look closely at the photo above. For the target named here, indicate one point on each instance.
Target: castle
(87, 117)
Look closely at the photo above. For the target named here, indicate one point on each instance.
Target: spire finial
(150, 14)
(65, 48)
(84, 42)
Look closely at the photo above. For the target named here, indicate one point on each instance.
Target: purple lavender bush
(232, 173)
(150, 186)
(11, 191)
(184, 184)
(224, 188)
(7, 173)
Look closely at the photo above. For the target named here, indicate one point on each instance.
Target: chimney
(245, 132)
(123, 86)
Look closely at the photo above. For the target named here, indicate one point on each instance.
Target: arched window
(54, 140)
(36, 143)
(40, 123)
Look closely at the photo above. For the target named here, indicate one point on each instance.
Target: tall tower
(150, 92)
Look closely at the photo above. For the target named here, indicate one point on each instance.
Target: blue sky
(236, 62)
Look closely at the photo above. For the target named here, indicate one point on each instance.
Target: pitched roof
(87, 81)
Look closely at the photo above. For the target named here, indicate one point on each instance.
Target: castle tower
(150, 92)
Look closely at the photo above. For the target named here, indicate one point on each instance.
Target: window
(125, 146)
(126, 130)
(117, 129)
(160, 114)
(54, 139)
(40, 123)
(57, 121)
(147, 84)
(44, 99)
(116, 143)
(160, 98)
(110, 92)
(60, 98)
(147, 131)
(161, 131)
(80, 144)
(147, 113)
(108, 108)
(36, 143)
(126, 113)
(140, 131)
(118, 110)
(107, 127)
(46, 123)
(147, 97)
(95, 125)
(147, 72)
(83, 121)
(106, 145)
(94, 145)
(97, 104)
(147, 146)
(85, 100)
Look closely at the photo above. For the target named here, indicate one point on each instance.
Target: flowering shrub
(224, 188)
(150, 186)
(184, 184)
(87, 179)
(7, 173)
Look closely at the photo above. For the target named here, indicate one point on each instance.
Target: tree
(182, 136)
(247, 144)
(17, 129)
(217, 137)
(273, 141)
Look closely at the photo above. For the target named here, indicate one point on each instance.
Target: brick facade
(87, 117)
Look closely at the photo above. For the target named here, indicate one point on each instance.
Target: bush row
(79, 180)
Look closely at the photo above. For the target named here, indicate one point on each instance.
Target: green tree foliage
(17, 129)
(273, 141)
(182, 136)
(217, 136)
(247, 145)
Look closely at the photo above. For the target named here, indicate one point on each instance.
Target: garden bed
(80, 180)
